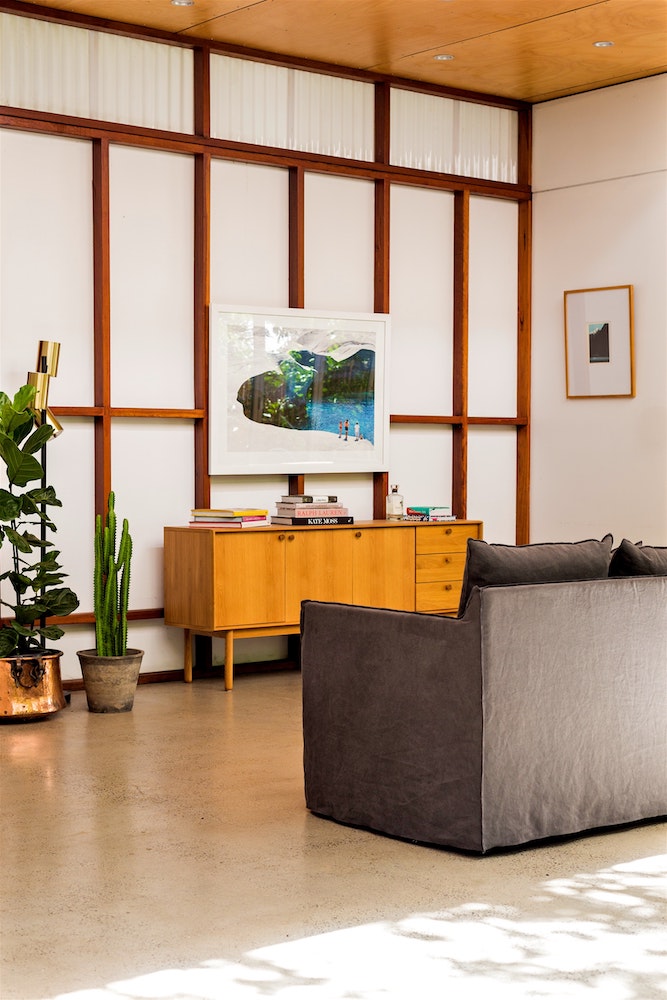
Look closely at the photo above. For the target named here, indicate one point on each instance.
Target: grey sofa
(541, 711)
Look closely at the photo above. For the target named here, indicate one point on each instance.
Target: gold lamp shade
(47, 357)
(40, 380)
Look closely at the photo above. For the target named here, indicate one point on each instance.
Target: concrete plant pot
(110, 681)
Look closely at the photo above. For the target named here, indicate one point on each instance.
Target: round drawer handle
(447, 559)
(281, 538)
(290, 538)
(357, 534)
(448, 531)
(448, 586)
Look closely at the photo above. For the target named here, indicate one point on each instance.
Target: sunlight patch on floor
(602, 931)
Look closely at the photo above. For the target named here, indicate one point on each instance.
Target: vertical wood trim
(296, 485)
(201, 301)
(296, 237)
(202, 91)
(460, 352)
(380, 490)
(101, 321)
(381, 304)
(381, 122)
(523, 381)
(381, 264)
(525, 147)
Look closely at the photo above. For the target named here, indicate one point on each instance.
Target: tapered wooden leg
(229, 660)
(187, 656)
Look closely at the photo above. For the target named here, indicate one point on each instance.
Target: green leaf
(61, 601)
(51, 632)
(18, 541)
(44, 494)
(10, 506)
(37, 439)
(8, 642)
(21, 469)
(24, 397)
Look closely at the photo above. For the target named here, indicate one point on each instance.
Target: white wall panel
(152, 464)
(70, 464)
(421, 463)
(151, 247)
(249, 234)
(46, 261)
(492, 317)
(616, 132)
(339, 243)
(492, 481)
(421, 304)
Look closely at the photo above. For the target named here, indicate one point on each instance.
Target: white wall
(600, 219)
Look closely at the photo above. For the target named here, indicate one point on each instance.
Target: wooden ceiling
(529, 50)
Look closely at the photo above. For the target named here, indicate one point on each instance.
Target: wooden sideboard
(237, 583)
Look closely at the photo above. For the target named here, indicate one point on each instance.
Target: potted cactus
(111, 670)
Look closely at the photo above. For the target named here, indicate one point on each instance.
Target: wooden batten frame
(204, 149)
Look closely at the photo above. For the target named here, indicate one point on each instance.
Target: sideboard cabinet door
(383, 570)
(318, 567)
(248, 578)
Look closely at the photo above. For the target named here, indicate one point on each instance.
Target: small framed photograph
(599, 342)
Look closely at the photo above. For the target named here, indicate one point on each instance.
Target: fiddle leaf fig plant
(35, 577)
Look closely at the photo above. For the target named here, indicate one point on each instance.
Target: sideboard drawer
(445, 537)
(438, 597)
(436, 566)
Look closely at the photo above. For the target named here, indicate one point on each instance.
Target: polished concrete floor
(167, 853)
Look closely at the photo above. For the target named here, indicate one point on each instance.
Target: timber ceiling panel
(530, 50)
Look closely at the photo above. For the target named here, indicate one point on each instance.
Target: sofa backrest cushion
(548, 562)
(638, 560)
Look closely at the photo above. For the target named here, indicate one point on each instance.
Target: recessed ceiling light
(443, 57)
(603, 45)
(182, 3)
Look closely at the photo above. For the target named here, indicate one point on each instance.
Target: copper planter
(31, 685)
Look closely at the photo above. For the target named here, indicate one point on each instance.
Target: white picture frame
(283, 383)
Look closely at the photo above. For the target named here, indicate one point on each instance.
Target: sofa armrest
(392, 720)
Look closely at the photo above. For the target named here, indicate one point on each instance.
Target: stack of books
(229, 517)
(311, 508)
(429, 514)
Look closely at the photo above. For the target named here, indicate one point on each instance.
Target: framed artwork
(599, 342)
(297, 391)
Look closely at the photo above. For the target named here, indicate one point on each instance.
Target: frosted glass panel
(44, 66)
(46, 261)
(420, 462)
(492, 481)
(152, 249)
(332, 116)
(90, 74)
(339, 243)
(422, 241)
(493, 308)
(453, 137)
(151, 473)
(249, 234)
(142, 83)
(274, 106)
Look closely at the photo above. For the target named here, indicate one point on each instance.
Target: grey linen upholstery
(542, 711)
